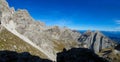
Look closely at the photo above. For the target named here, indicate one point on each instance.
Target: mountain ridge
(49, 40)
(24, 26)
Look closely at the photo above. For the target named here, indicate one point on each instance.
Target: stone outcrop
(96, 41)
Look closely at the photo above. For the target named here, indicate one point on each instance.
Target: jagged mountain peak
(4, 3)
(23, 12)
(98, 33)
(87, 33)
(4, 7)
(48, 40)
(90, 33)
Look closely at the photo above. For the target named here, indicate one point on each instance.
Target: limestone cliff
(96, 41)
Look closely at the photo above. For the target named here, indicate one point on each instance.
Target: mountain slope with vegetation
(11, 42)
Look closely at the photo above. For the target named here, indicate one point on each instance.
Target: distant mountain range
(114, 35)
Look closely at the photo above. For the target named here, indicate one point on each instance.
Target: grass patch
(11, 42)
(59, 46)
(112, 57)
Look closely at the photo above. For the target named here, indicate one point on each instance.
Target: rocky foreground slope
(11, 42)
(13, 56)
(47, 40)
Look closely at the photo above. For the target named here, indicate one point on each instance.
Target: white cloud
(117, 21)
(117, 28)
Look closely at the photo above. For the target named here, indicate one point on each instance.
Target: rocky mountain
(45, 41)
(101, 45)
(48, 40)
(96, 41)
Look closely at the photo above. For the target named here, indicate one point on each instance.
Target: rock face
(117, 47)
(96, 41)
(48, 40)
(79, 55)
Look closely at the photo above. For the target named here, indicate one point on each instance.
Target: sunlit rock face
(49, 40)
(96, 41)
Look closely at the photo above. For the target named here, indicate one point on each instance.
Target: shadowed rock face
(12, 56)
(78, 55)
(96, 41)
(117, 47)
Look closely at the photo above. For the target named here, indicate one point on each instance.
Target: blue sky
(74, 14)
